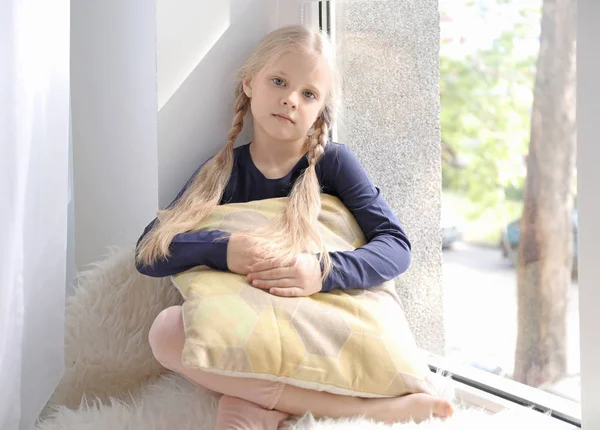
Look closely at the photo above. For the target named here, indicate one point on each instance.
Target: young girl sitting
(289, 85)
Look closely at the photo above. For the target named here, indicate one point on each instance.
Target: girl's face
(287, 95)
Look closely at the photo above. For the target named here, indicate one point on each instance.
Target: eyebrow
(281, 73)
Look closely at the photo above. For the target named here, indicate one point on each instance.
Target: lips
(283, 116)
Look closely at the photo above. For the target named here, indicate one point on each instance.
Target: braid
(317, 142)
(225, 156)
(204, 193)
(316, 148)
(241, 105)
(295, 231)
(213, 178)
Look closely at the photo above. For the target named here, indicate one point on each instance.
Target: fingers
(277, 273)
(287, 292)
(274, 283)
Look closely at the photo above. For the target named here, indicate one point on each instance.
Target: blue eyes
(308, 94)
(311, 95)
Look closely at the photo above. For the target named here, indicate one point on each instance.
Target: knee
(166, 336)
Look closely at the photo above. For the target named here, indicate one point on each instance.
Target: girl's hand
(241, 254)
(300, 277)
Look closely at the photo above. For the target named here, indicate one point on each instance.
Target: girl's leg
(416, 407)
(167, 339)
(245, 404)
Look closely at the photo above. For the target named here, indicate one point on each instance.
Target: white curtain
(34, 133)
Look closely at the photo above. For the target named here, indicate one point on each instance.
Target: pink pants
(246, 403)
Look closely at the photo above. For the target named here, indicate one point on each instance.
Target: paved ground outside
(480, 299)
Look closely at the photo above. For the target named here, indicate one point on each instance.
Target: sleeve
(387, 252)
(188, 249)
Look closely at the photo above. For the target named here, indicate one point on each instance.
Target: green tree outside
(486, 99)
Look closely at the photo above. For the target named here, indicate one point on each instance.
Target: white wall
(113, 95)
(152, 96)
(200, 47)
(71, 269)
(186, 31)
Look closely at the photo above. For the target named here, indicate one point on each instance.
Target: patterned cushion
(354, 342)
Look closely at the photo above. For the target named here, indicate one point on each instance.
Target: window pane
(509, 217)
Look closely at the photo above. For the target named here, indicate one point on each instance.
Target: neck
(275, 159)
(269, 152)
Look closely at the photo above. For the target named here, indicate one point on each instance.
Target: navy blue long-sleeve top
(385, 256)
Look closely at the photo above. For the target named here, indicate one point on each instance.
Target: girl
(289, 85)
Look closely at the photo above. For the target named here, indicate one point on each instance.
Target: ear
(247, 85)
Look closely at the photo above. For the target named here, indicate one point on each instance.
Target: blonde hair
(296, 231)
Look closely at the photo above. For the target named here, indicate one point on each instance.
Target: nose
(290, 100)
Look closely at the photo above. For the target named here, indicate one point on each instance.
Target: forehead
(302, 68)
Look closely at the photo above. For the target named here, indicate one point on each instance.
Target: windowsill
(493, 393)
(470, 397)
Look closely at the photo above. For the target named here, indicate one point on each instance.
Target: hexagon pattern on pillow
(353, 342)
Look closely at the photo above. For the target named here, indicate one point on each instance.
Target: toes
(443, 409)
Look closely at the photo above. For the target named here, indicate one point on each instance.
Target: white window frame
(588, 154)
(495, 393)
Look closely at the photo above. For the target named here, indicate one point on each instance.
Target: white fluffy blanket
(112, 381)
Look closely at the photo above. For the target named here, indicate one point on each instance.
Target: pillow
(354, 342)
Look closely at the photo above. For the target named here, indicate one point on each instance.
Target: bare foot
(416, 407)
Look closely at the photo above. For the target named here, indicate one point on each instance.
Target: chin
(285, 137)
